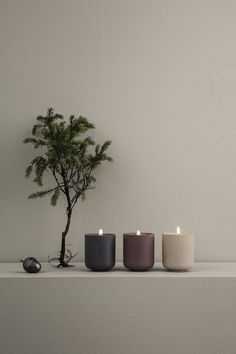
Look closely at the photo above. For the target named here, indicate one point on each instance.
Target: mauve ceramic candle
(100, 251)
(177, 251)
(138, 251)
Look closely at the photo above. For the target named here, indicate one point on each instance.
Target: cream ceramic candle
(177, 250)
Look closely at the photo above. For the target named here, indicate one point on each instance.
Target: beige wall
(156, 77)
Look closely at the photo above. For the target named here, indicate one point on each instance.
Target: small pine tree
(67, 156)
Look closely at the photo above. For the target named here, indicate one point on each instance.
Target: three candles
(138, 251)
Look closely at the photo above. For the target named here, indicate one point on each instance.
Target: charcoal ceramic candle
(100, 251)
(177, 250)
(138, 250)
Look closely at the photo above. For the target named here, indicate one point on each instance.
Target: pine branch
(28, 171)
(38, 180)
(41, 193)
(60, 185)
(55, 196)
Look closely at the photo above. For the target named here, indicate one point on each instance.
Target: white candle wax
(177, 250)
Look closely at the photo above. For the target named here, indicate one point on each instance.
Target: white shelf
(200, 270)
(118, 312)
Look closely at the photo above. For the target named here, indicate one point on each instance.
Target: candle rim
(175, 234)
(97, 234)
(135, 233)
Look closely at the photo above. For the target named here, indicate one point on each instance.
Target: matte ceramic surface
(100, 251)
(138, 251)
(177, 251)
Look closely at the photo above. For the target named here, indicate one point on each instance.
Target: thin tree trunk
(63, 240)
(69, 213)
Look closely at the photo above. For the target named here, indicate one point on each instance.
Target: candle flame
(100, 232)
(178, 230)
(138, 233)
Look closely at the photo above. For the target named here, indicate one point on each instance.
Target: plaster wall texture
(156, 77)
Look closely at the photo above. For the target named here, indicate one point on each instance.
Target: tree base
(64, 265)
(64, 262)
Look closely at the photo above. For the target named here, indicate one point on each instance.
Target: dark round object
(31, 265)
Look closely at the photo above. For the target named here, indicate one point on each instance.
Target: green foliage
(67, 153)
(55, 196)
(40, 194)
